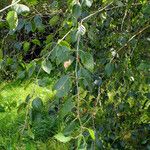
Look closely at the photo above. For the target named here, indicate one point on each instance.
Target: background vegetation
(75, 75)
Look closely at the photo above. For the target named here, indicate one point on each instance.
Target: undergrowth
(11, 95)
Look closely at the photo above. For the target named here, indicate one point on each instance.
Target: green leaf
(20, 8)
(64, 43)
(44, 81)
(64, 139)
(28, 27)
(144, 66)
(87, 60)
(63, 86)
(21, 107)
(26, 46)
(31, 68)
(49, 38)
(37, 104)
(12, 19)
(1, 55)
(92, 134)
(31, 135)
(32, 2)
(146, 9)
(67, 107)
(70, 128)
(109, 69)
(28, 98)
(54, 20)
(61, 54)
(47, 66)
(36, 42)
(2, 109)
(38, 21)
(85, 75)
(76, 10)
(21, 74)
(119, 3)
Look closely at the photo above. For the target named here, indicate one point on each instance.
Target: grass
(11, 96)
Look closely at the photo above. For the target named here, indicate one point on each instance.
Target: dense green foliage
(75, 74)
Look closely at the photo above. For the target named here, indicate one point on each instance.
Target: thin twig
(59, 41)
(136, 34)
(105, 8)
(125, 14)
(98, 11)
(98, 97)
(115, 7)
(9, 6)
(77, 81)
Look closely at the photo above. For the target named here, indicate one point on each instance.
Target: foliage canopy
(86, 64)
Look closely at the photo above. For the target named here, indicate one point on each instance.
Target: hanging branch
(58, 42)
(77, 80)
